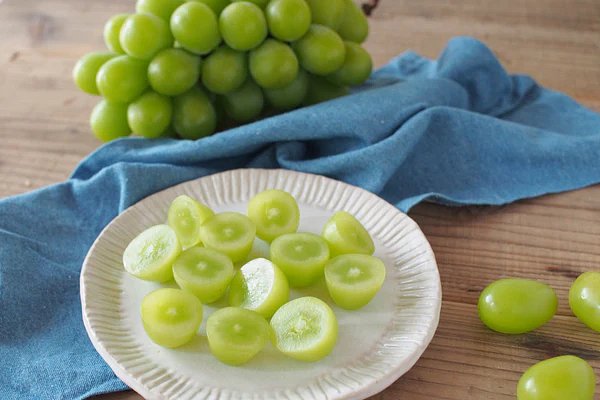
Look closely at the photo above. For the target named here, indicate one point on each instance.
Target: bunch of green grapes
(185, 68)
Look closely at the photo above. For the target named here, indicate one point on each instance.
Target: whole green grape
(321, 51)
(320, 90)
(216, 5)
(150, 114)
(584, 299)
(224, 70)
(122, 79)
(144, 35)
(194, 116)
(174, 71)
(195, 27)
(161, 8)
(273, 64)
(260, 3)
(559, 378)
(516, 306)
(245, 103)
(112, 30)
(353, 25)
(86, 69)
(290, 96)
(109, 121)
(357, 66)
(288, 20)
(243, 25)
(327, 12)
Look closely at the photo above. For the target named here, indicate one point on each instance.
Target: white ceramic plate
(376, 344)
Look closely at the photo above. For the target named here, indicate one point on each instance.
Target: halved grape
(171, 317)
(144, 35)
(274, 212)
(357, 66)
(243, 25)
(288, 20)
(225, 70)
(346, 235)
(354, 279)
(290, 96)
(320, 89)
(150, 114)
(112, 31)
(216, 5)
(161, 8)
(305, 329)
(109, 121)
(236, 335)
(301, 257)
(122, 79)
(327, 12)
(321, 51)
(194, 26)
(259, 286)
(86, 69)
(244, 104)
(230, 233)
(584, 299)
(203, 272)
(174, 71)
(185, 216)
(194, 116)
(273, 64)
(353, 25)
(151, 254)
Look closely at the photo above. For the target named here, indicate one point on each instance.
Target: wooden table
(44, 132)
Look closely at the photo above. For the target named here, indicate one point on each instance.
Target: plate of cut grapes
(254, 284)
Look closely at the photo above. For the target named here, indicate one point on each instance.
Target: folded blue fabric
(458, 130)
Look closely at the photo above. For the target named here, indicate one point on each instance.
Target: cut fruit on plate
(346, 235)
(275, 213)
(185, 216)
(230, 233)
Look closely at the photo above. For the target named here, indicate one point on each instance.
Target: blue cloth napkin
(459, 130)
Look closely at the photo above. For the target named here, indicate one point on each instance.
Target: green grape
(86, 69)
(243, 25)
(161, 8)
(174, 71)
(236, 335)
(584, 299)
(327, 12)
(346, 235)
(354, 26)
(112, 31)
(216, 5)
(150, 114)
(259, 3)
(290, 96)
(273, 64)
(354, 279)
(305, 329)
(195, 27)
(274, 212)
(185, 216)
(194, 116)
(225, 70)
(558, 378)
(288, 20)
(203, 272)
(245, 103)
(230, 233)
(320, 90)
(122, 79)
(259, 286)
(516, 306)
(357, 66)
(321, 51)
(144, 35)
(301, 257)
(109, 121)
(171, 317)
(151, 254)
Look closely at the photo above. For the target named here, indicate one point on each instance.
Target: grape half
(274, 212)
(301, 256)
(185, 216)
(346, 235)
(151, 254)
(230, 233)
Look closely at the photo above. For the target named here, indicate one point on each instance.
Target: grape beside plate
(376, 345)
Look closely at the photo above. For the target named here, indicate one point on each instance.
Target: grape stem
(370, 6)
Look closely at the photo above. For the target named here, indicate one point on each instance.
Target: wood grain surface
(44, 133)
